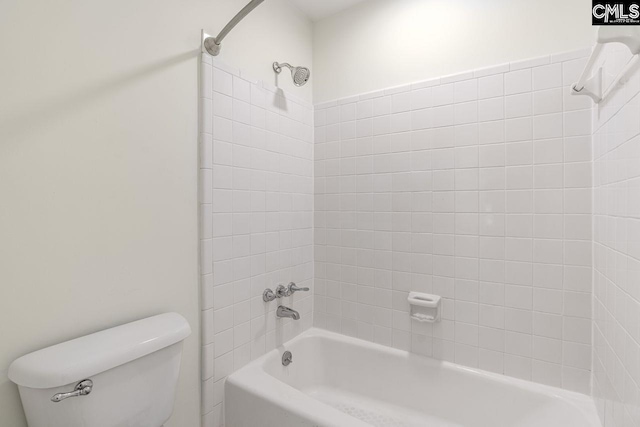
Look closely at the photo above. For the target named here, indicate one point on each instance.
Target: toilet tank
(132, 372)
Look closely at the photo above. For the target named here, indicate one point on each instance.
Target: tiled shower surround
(616, 350)
(482, 187)
(474, 187)
(256, 213)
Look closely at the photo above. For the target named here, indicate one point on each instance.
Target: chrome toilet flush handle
(83, 388)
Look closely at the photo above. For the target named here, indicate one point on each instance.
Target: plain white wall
(98, 165)
(384, 43)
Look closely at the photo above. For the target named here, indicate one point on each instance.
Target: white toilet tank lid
(92, 354)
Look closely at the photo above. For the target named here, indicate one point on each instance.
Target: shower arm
(277, 66)
(212, 44)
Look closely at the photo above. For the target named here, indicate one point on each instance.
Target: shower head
(300, 75)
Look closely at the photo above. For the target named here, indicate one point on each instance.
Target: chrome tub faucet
(283, 311)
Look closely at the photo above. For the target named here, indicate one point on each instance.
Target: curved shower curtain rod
(212, 44)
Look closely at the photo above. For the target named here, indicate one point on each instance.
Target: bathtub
(339, 381)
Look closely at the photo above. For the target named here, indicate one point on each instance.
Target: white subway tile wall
(616, 154)
(256, 221)
(475, 187)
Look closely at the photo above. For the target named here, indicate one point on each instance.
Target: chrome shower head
(300, 75)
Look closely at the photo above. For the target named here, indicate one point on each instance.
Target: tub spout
(287, 312)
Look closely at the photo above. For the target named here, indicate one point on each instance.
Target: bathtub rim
(255, 379)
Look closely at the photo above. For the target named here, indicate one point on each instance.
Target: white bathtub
(336, 380)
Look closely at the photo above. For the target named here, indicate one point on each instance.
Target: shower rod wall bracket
(591, 88)
(590, 83)
(208, 45)
(211, 45)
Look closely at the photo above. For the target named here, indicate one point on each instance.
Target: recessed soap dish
(424, 307)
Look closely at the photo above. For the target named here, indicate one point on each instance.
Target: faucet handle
(268, 295)
(293, 288)
(282, 292)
